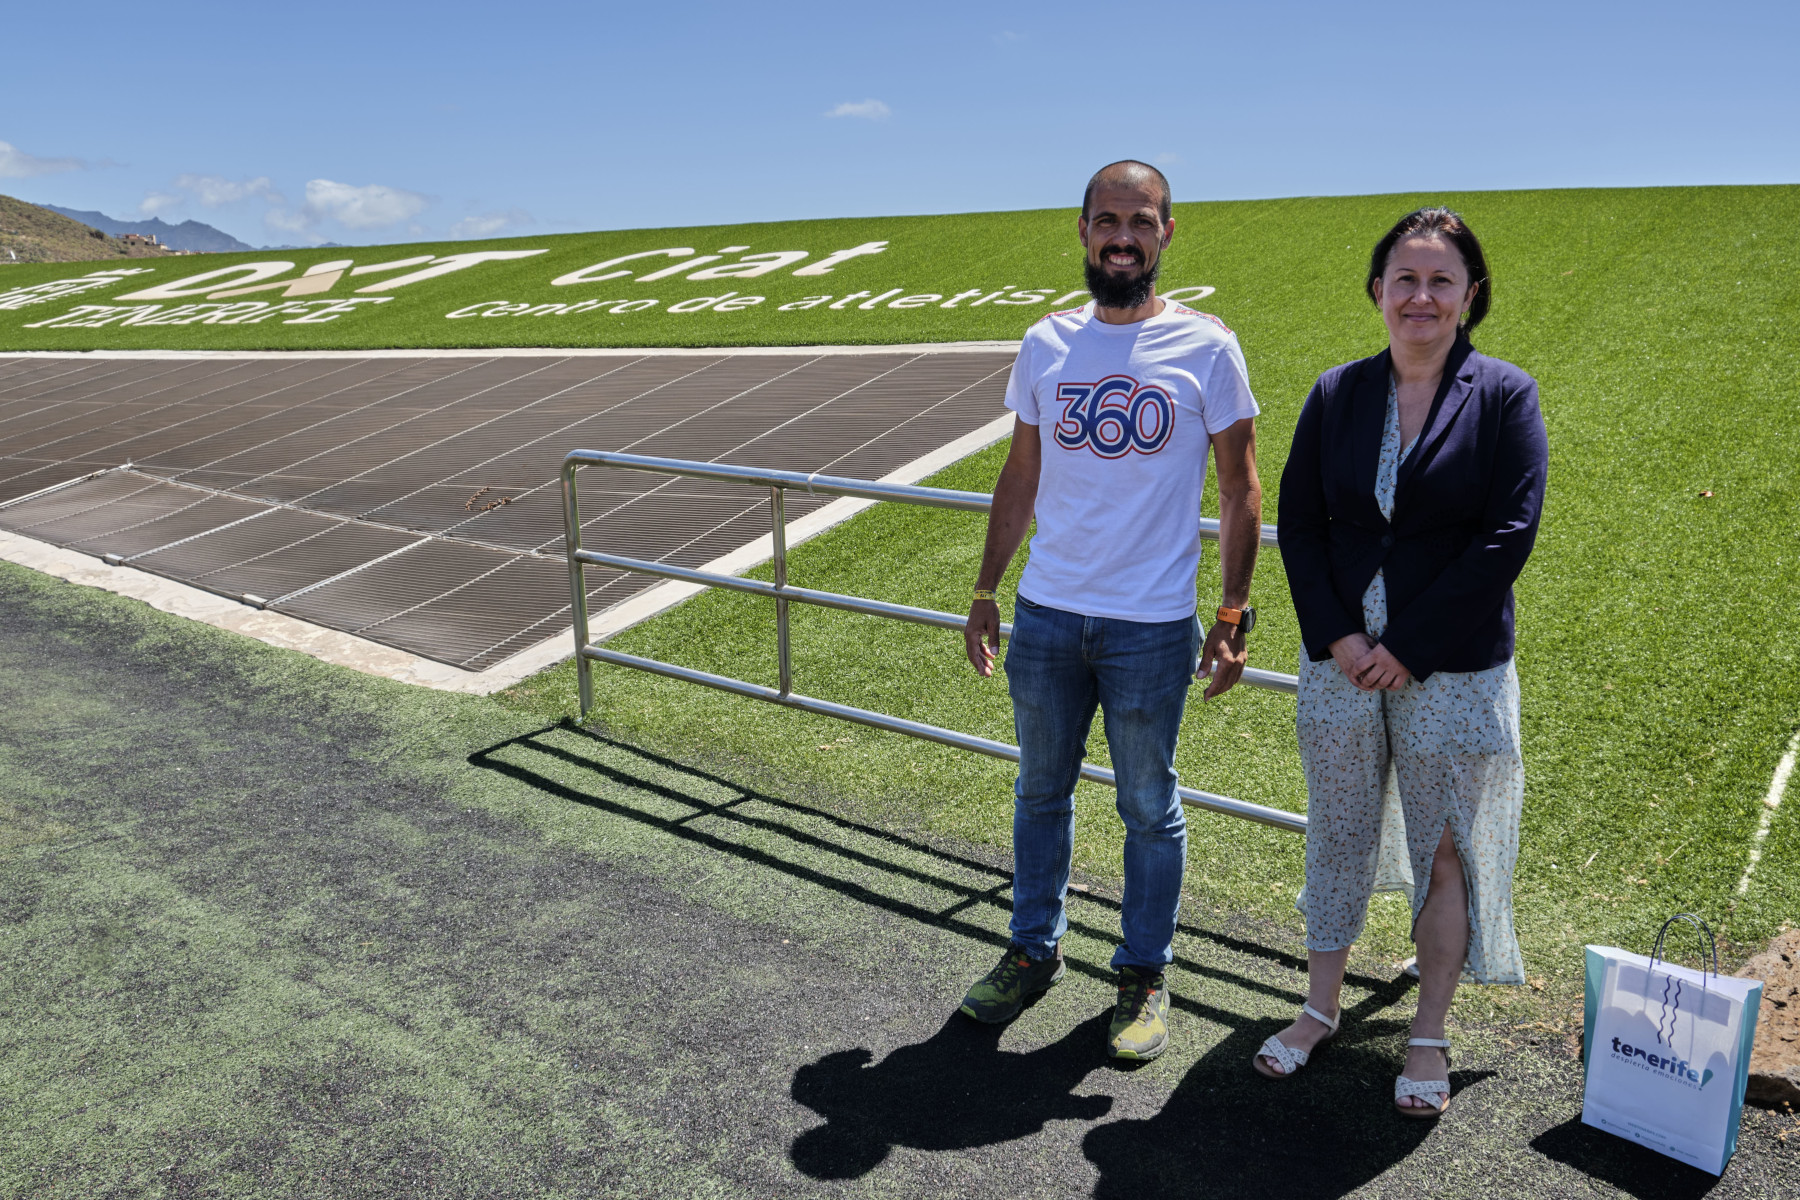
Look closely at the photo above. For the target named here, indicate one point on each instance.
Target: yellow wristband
(984, 594)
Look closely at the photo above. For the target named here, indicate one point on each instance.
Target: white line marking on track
(1784, 770)
(374, 658)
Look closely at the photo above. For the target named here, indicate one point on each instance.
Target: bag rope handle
(1701, 928)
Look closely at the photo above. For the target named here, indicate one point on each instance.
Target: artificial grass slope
(1277, 265)
(1657, 625)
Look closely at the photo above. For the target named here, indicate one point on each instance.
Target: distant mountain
(189, 235)
(30, 234)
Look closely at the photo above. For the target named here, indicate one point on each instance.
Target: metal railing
(784, 593)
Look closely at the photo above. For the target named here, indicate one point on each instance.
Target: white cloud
(869, 110)
(372, 206)
(16, 164)
(1167, 160)
(288, 222)
(214, 190)
(489, 224)
(155, 203)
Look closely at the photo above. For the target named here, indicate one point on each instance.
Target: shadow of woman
(954, 1091)
(1227, 1131)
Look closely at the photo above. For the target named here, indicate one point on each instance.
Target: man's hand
(1379, 670)
(981, 636)
(1223, 657)
(1015, 496)
(1240, 533)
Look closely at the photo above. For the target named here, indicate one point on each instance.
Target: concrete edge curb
(520, 351)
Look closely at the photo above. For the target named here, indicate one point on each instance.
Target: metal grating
(414, 501)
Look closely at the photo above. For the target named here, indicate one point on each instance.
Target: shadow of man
(954, 1091)
(1227, 1131)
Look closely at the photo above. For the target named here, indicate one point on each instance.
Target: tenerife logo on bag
(1114, 417)
(1661, 1064)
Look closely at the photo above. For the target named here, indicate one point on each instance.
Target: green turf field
(1658, 624)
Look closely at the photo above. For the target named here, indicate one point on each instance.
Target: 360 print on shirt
(1114, 417)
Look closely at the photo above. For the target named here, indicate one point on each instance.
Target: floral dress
(1385, 771)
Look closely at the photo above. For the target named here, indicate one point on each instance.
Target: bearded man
(1117, 403)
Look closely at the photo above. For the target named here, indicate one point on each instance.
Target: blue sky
(376, 122)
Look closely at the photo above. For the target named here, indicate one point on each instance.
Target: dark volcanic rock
(1775, 1060)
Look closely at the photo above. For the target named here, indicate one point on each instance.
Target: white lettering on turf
(733, 302)
(696, 303)
(299, 312)
(751, 265)
(824, 265)
(56, 289)
(678, 268)
(447, 264)
(315, 279)
(320, 277)
(377, 268)
(586, 274)
(207, 281)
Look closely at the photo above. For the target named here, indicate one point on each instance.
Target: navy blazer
(1466, 508)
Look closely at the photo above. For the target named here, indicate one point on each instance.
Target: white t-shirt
(1125, 414)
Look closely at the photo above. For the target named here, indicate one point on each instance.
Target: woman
(1408, 506)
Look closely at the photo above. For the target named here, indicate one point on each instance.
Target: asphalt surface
(272, 928)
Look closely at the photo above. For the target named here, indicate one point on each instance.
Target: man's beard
(1112, 291)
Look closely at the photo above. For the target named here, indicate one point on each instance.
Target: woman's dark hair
(1438, 222)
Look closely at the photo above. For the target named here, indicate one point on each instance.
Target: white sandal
(1424, 1089)
(1292, 1060)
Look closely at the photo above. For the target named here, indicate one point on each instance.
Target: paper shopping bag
(1667, 1053)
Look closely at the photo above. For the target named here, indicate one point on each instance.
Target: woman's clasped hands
(1368, 664)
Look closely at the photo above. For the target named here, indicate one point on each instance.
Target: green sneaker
(1140, 1029)
(1002, 992)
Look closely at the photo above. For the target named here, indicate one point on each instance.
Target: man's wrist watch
(1244, 618)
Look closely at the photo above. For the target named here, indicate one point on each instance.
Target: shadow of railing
(1381, 993)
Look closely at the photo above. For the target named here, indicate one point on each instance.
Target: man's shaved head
(1130, 172)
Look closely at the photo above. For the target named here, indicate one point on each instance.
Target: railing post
(577, 584)
(778, 518)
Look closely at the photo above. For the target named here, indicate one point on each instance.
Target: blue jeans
(1059, 667)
